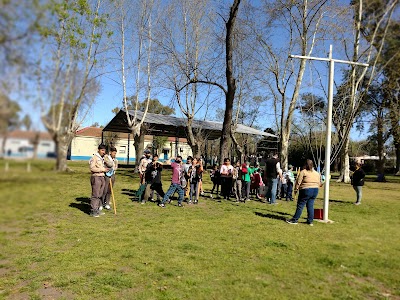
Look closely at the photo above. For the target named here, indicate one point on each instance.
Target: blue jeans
(306, 197)
(174, 187)
(289, 191)
(358, 190)
(194, 190)
(272, 187)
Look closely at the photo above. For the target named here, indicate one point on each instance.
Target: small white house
(87, 139)
(21, 144)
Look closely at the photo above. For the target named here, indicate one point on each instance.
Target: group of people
(234, 180)
(187, 179)
(102, 166)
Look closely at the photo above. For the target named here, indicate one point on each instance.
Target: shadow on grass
(340, 201)
(131, 194)
(83, 204)
(271, 216)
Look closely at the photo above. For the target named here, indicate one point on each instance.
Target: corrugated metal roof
(174, 126)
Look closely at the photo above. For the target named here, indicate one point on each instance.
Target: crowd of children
(239, 181)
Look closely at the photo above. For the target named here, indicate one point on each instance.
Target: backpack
(244, 169)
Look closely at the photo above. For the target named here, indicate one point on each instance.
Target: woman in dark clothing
(357, 181)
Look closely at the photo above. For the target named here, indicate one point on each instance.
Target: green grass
(51, 249)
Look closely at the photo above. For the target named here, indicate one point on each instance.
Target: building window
(122, 150)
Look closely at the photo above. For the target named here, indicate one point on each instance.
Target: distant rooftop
(28, 135)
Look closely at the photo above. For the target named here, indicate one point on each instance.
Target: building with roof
(87, 139)
(21, 144)
(171, 126)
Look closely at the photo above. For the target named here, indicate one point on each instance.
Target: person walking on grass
(155, 169)
(307, 184)
(215, 177)
(195, 173)
(186, 168)
(226, 178)
(111, 162)
(97, 181)
(272, 172)
(152, 177)
(177, 176)
(357, 181)
(247, 173)
(290, 182)
(144, 161)
(237, 181)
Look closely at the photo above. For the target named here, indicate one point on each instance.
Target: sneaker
(291, 221)
(108, 207)
(180, 205)
(190, 202)
(196, 201)
(310, 224)
(101, 208)
(143, 202)
(161, 205)
(94, 215)
(211, 196)
(357, 203)
(202, 194)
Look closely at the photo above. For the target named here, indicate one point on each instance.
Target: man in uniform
(97, 181)
(112, 163)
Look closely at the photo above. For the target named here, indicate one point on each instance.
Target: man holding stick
(112, 163)
(97, 181)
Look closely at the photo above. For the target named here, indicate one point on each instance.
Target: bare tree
(366, 47)
(184, 45)
(302, 25)
(134, 39)
(228, 90)
(70, 36)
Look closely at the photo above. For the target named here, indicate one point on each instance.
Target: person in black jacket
(153, 179)
(357, 181)
(272, 171)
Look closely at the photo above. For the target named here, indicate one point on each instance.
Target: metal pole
(328, 136)
(129, 143)
(329, 121)
(176, 146)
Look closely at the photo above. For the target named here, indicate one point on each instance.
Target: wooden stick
(112, 194)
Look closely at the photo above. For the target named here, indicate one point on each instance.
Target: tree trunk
(395, 129)
(196, 150)
(345, 163)
(3, 145)
(397, 147)
(36, 142)
(285, 149)
(231, 83)
(62, 144)
(381, 161)
(192, 141)
(138, 143)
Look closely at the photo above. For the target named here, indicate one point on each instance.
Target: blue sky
(111, 95)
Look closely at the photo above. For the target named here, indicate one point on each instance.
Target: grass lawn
(52, 249)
